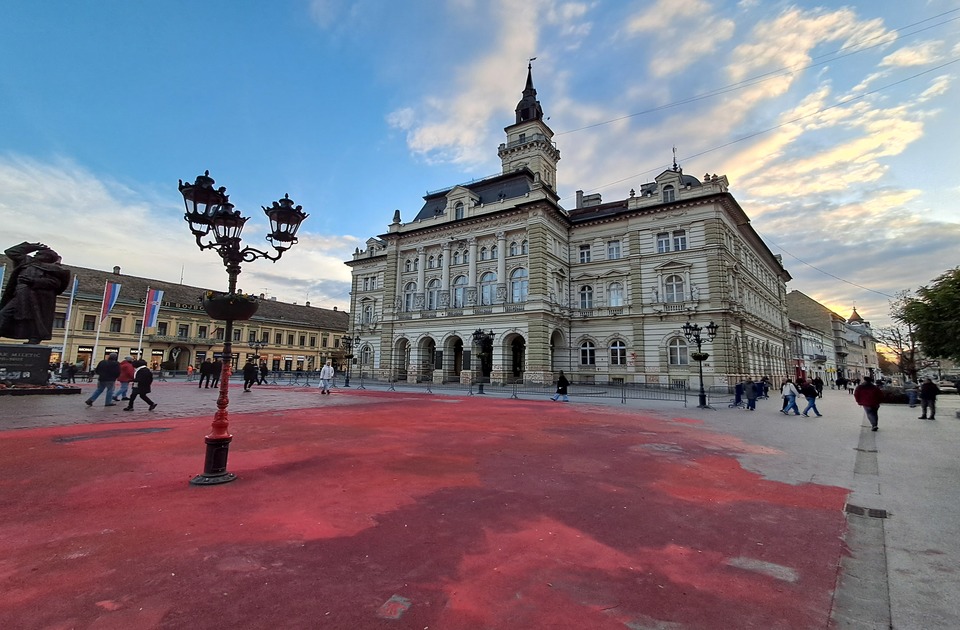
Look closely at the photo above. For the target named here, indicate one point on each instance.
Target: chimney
(307, 303)
(334, 308)
(579, 198)
(116, 270)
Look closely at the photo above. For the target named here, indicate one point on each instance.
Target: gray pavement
(901, 571)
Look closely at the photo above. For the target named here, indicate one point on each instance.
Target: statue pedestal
(24, 364)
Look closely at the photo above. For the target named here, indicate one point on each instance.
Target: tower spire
(529, 107)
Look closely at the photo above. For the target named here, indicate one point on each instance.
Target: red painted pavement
(399, 511)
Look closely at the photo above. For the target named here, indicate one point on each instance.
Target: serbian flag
(110, 294)
(152, 307)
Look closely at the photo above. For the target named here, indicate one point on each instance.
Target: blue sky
(835, 124)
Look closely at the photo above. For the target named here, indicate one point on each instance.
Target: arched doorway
(454, 346)
(179, 357)
(427, 350)
(559, 355)
(401, 361)
(518, 351)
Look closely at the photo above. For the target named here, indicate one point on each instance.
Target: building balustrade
(197, 341)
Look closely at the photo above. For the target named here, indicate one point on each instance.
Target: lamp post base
(215, 464)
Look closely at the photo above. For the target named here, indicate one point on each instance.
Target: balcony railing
(197, 341)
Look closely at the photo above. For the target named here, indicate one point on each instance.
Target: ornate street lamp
(257, 346)
(348, 344)
(216, 225)
(483, 340)
(692, 333)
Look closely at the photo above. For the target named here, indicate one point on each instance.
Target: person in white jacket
(790, 392)
(326, 377)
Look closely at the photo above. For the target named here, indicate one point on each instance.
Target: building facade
(493, 279)
(287, 336)
(854, 348)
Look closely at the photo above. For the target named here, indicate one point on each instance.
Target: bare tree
(900, 340)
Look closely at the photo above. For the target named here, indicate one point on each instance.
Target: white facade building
(600, 291)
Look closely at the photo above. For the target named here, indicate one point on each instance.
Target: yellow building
(287, 336)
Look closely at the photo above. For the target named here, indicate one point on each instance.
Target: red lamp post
(209, 210)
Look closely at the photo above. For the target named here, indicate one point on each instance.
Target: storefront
(156, 358)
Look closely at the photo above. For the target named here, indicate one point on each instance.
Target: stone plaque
(24, 364)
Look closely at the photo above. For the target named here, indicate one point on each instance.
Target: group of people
(134, 377)
(927, 392)
(254, 374)
(809, 389)
(210, 373)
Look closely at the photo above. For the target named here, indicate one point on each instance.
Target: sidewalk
(371, 509)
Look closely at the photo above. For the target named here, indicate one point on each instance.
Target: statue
(29, 300)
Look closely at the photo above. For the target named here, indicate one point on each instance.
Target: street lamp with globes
(348, 344)
(693, 333)
(216, 225)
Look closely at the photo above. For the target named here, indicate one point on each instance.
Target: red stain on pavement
(405, 512)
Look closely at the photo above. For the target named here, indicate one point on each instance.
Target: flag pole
(146, 310)
(66, 322)
(100, 319)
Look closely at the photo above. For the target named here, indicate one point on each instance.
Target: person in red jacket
(869, 397)
(126, 376)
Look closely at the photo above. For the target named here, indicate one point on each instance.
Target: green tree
(934, 314)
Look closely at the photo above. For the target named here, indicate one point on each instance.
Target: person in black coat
(562, 384)
(206, 373)
(108, 371)
(250, 375)
(142, 383)
(928, 399)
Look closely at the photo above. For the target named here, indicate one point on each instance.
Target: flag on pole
(152, 307)
(110, 294)
(73, 294)
(3, 270)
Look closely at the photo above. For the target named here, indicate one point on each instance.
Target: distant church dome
(855, 316)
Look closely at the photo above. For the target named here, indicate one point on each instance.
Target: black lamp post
(348, 344)
(257, 346)
(692, 333)
(209, 210)
(484, 340)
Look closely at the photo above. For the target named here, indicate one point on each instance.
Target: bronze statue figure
(29, 300)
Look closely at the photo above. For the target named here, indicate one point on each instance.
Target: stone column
(472, 274)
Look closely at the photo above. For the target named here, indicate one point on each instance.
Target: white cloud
(99, 223)
(686, 32)
(918, 55)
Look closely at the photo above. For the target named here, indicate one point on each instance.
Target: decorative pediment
(673, 265)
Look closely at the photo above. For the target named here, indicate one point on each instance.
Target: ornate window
(669, 194)
(440, 260)
(518, 285)
(514, 249)
(613, 250)
(458, 210)
(408, 265)
(483, 253)
(365, 355)
(673, 288)
(679, 240)
(367, 314)
(431, 262)
(677, 349)
(586, 296)
(433, 291)
(588, 353)
(456, 257)
(459, 291)
(618, 353)
(409, 292)
(523, 247)
(493, 252)
(584, 253)
(663, 242)
(488, 288)
(615, 294)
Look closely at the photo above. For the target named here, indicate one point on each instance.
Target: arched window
(673, 288)
(440, 260)
(615, 294)
(416, 264)
(408, 265)
(523, 247)
(431, 262)
(586, 296)
(514, 249)
(493, 252)
(409, 291)
(466, 256)
(483, 253)
(518, 285)
(456, 257)
(588, 353)
(368, 314)
(618, 353)
(488, 288)
(458, 210)
(366, 355)
(669, 194)
(459, 291)
(678, 352)
(433, 292)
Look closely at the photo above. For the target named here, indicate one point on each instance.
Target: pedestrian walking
(818, 383)
(263, 373)
(215, 373)
(789, 393)
(142, 384)
(562, 384)
(869, 396)
(750, 390)
(928, 400)
(107, 371)
(126, 377)
(206, 373)
(326, 377)
(809, 391)
(250, 374)
(910, 388)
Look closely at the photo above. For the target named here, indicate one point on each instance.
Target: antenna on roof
(181, 275)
